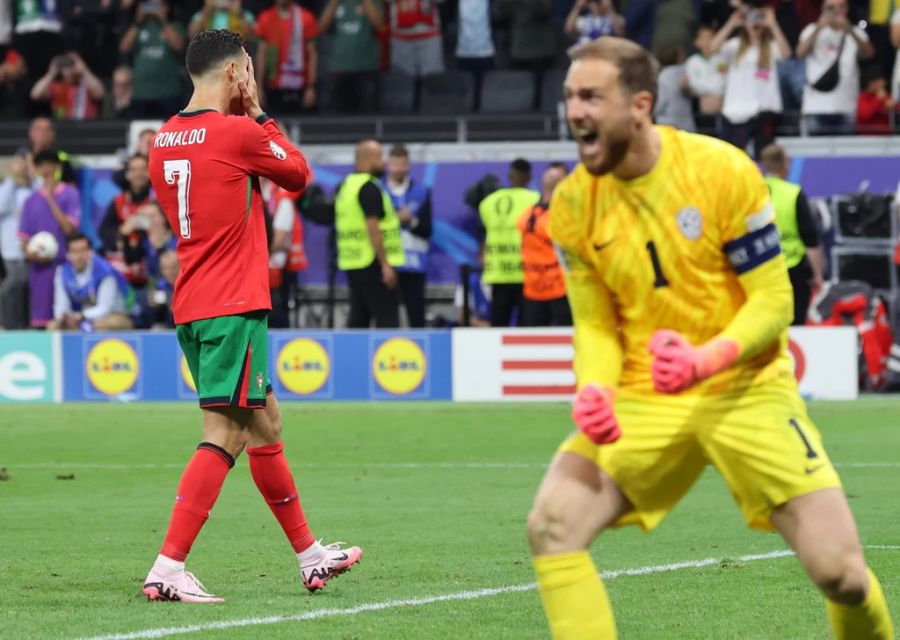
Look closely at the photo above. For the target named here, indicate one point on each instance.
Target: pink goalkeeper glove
(679, 365)
(593, 413)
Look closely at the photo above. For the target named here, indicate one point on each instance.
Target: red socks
(198, 490)
(275, 482)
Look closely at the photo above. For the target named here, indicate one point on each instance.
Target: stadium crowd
(736, 66)
(749, 66)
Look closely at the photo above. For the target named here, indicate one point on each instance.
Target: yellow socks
(867, 621)
(575, 599)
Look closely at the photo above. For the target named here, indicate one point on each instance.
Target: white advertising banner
(536, 364)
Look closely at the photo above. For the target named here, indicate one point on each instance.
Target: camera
(755, 15)
(222, 5)
(150, 8)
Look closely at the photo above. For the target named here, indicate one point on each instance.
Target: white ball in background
(44, 245)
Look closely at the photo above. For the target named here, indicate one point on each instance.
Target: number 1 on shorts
(179, 171)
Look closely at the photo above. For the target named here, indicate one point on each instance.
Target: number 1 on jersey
(657, 268)
(179, 172)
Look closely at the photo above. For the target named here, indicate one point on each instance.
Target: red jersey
(287, 37)
(205, 168)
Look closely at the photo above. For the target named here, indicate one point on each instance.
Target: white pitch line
(477, 594)
(366, 465)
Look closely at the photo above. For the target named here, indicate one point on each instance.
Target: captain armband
(754, 249)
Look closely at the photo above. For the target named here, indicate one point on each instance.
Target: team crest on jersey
(690, 222)
(277, 151)
(259, 382)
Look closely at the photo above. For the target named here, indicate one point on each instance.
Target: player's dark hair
(559, 165)
(136, 156)
(637, 68)
(47, 155)
(75, 236)
(398, 151)
(209, 49)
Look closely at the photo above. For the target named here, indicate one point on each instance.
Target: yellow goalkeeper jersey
(678, 248)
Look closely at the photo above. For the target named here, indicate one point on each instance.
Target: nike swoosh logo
(812, 470)
(600, 246)
(343, 557)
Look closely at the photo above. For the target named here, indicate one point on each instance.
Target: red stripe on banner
(533, 339)
(538, 389)
(537, 365)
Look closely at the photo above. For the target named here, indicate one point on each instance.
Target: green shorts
(229, 359)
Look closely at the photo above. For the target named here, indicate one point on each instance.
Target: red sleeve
(267, 152)
(262, 24)
(310, 25)
(867, 107)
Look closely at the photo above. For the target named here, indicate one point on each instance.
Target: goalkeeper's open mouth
(588, 142)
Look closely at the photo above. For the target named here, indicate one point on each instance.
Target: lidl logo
(399, 366)
(186, 374)
(303, 366)
(112, 367)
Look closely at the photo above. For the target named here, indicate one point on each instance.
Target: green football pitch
(436, 494)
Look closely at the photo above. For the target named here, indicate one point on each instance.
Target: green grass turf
(73, 552)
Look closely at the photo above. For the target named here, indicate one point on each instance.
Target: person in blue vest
(412, 201)
(88, 293)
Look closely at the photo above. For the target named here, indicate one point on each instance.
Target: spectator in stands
(474, 39)
(118, 101)
(705, 72)
(88, 293)
(89, 28)
(875, 105)
(592, 19)
(368, 242)
(38, 35)
(502, 250)
(544, 288)
(72, 90)
(156, 46)
(417, 47)
(157, 239)
(412, 202)
(12, 89)
(752, 91)
(287, 60)
(354, 55)
(159, 298)
(125, 224)
(673, 102)
(533, 45)
(287, 251)
(41, 137)
(895, 41)
(800, 238)
(54, 207)
(832, 48)
(14, 191)
(223, 14)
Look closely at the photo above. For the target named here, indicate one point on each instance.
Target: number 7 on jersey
(179, 171)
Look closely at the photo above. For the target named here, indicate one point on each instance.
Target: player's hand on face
(673, 367)
(249, 93)
(388, 276)
(593, 412)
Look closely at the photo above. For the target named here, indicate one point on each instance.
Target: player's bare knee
(549, 530)
(843, 579)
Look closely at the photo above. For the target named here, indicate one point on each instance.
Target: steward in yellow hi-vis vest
(369, 247)
(499, 213)
(800, 236)
(681, 305)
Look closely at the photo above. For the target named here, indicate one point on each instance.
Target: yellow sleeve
(752, 245)
(598, 349)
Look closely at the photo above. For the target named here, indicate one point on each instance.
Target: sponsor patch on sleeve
(756, 248)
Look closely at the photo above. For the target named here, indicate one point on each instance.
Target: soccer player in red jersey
(205, 165)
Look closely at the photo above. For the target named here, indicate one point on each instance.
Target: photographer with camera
(223, 14)
(72, 90)
(832, 48)
(156, 46)
(752, 91)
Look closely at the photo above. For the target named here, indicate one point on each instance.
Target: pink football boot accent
(331, 563)
(184, 588)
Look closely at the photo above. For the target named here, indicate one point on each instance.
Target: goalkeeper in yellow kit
(681, 302)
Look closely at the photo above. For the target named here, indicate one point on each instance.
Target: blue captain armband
(756, 248)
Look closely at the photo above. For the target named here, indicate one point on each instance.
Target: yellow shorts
(762, 441)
